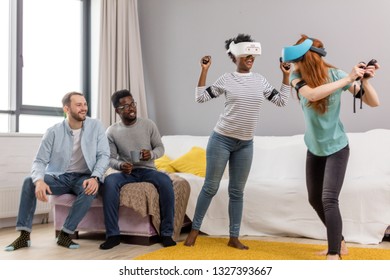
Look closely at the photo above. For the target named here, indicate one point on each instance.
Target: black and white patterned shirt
(244, 93)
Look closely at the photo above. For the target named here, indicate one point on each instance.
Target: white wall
(17, 154)
(175, 34)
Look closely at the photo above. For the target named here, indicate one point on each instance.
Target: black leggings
(324, 179)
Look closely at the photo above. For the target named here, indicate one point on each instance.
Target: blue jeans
(220, 151)
(111, 194)
(65, 183)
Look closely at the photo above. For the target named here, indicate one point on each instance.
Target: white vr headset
(244, 49)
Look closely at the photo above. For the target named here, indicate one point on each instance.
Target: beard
(78, 117)
(130, 119)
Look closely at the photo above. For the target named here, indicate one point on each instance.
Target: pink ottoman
(134, 228)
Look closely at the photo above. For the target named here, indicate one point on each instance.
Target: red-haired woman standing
(319, 86)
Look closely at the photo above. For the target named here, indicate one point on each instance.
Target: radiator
(9, 203)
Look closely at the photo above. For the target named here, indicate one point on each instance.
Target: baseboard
(38, 219)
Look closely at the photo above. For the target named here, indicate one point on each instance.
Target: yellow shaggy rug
(208, 248)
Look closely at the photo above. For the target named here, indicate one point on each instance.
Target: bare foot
(191, 238)
(343, 250)
(333, 257)
(235, 243)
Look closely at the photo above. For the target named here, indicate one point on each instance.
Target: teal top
(324, 134)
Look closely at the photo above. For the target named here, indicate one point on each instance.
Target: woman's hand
(369, 71)
(357, 72)
(205, 62)
(286, 69)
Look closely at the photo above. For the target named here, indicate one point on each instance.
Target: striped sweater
(244, 93)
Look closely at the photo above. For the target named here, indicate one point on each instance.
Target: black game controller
(286, 66)
(360, 93)
(371, 62)
(205, 60)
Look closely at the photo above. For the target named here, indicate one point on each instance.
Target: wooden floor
(44, 246)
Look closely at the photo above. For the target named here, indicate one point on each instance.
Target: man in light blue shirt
(72, 158)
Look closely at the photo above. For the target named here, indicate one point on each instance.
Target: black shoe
(167, 241)
(111, 242)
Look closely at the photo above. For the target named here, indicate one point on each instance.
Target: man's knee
(28, 186)
(164, 178)
(27, 182)
(110, 180)
(86, 198)
(162, 182)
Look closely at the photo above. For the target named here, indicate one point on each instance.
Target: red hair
(314, 71)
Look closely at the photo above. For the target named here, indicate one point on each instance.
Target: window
(4, 54)
(48, 56)
(51, 56)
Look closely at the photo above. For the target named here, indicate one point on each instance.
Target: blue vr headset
(295, 53)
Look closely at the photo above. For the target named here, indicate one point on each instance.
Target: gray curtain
(120, 57)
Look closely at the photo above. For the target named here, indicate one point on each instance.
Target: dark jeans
(111, 195)
(324, 179)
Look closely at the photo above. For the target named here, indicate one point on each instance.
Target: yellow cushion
(162, 164)
(193, 162)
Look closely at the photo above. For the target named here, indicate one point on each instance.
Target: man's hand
(126, 167)
(91, 186)
(145, 155)
(41, 190)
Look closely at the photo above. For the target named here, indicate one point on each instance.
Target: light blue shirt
(55, 150)
(324, 134)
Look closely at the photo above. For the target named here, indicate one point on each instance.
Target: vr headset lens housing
(295, 53)
(244, 49)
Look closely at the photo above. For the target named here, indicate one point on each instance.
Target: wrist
(350, 79)
(96, 178)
